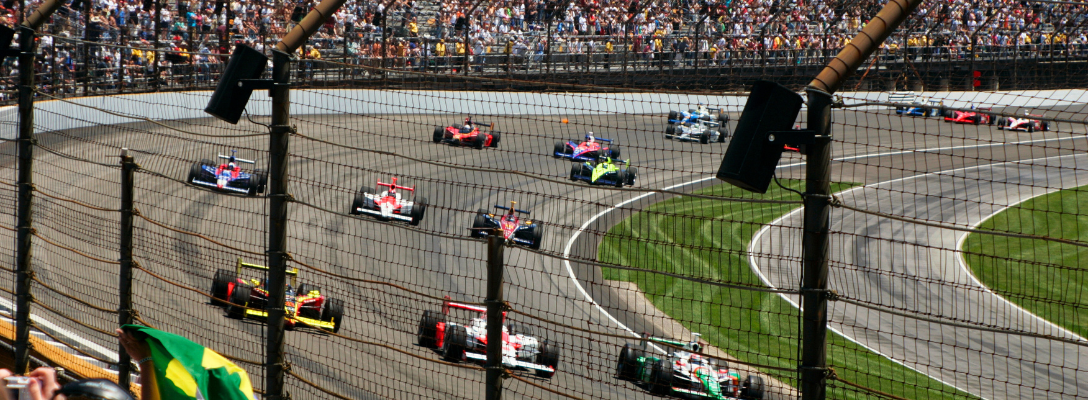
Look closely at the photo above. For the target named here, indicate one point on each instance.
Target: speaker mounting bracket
(257, 84)
(792, 137)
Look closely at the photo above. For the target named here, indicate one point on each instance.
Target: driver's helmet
(1026, 112)
(466, 128)
(696, 360)
(231, 165)
(590, 137)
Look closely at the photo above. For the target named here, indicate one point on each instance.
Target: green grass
(753, 326)
(1047, 278)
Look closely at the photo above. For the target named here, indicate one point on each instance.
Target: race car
(521, 349)
(514, 229)
(684, 372)
(588, 149)
(969, 117)
(468, 134)
(305, 305)
(228, 176)
(700, 113)
(1027, 123)
(389, 204)
(703, 131)
(605, 171)
(924, 108)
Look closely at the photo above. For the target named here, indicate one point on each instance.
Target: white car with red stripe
(521, 349)
(390, 204)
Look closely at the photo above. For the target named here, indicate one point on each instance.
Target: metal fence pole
(124, 311)
(495, 311)
(277, 223)
(816, 247)
(24, 272)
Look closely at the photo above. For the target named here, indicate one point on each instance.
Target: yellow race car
(305, 305)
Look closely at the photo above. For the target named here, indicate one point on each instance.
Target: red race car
(468, 134)
(969, 117)
(1028, 123)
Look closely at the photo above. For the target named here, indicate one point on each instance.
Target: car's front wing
(379, 213)
(511, 363)
(197, 181)
(604, 180)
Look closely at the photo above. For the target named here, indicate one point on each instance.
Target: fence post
(124, 310)
(24, 272)
(817, 225)
(277, 223)
(495, 311)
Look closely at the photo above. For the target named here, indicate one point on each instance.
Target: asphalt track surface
(360, 248)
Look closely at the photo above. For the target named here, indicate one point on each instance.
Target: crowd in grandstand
(441, 32)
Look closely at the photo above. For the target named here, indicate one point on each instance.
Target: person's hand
(42, 386)
(137, 349)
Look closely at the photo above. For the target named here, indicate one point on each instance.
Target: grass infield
(1047, 278)
(753, 326)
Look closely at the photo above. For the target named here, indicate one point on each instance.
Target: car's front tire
(549, 355)
(418, 209)
(439, 134)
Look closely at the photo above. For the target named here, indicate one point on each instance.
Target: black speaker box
(751, 158)
(229, 100)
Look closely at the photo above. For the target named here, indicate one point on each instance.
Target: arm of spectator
(139, 351)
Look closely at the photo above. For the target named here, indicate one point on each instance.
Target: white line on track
(574, 237)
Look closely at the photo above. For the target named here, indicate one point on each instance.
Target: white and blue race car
(228, 176)
(694, 115)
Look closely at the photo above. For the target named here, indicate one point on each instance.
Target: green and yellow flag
(186, 370)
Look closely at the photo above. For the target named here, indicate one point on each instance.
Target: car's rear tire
(427, 334)
(259, 179)
(673, 115)
(495, 137)
(660, 377)
(614, 152)
(559, 150)
(439, 134)
(334, 312)
(221, 284)
(1031, 127)
(195, 171)
(632, 173)
(549, 355)
(240, 300)
(419, 208)
(670, 131)
(455, 342)
(723, 118)
(574, 170)
(723, 133)
(627, 366)
(1046, 126)
(704, 137)
(752, 388)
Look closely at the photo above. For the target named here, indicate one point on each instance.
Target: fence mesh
(957, 232)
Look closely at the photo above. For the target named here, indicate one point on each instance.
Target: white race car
(389, 205)
(520, 348)
(702, 131)
(1030, 123)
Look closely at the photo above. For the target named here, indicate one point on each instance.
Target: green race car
(604, 171)
(684, 373)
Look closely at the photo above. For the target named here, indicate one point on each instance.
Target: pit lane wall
(187, 105)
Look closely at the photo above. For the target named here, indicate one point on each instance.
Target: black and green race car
(684, 373)
(605, 171)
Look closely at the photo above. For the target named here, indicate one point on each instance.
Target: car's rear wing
(515, 210)
(292, 272)
(601, 139)
(447, 304)
(692, 346)
(394, 185)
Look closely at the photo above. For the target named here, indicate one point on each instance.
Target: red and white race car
(1030, 123)
(468, 134)
(969, 117)
(389, 204)
(521, 349)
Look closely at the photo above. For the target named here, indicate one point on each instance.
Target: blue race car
(694, 115)
(589, 149)
(925, 108)
(228, 176)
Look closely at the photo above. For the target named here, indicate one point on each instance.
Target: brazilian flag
(186, 370)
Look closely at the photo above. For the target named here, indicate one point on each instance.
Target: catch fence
(956, 247)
